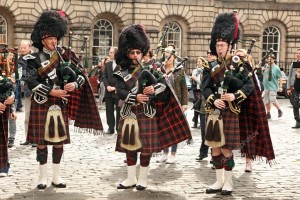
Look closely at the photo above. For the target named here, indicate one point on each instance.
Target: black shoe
(201, 157)
(109, 132)
(280, 113)
(268, 115)
(195, 125)
(19, 110)
(225, 192)
(10, 144)
(139, 187)
(25, 143)
(41, 186)
(297, 125)
(212, 191)
(60, 185)
(120, 186)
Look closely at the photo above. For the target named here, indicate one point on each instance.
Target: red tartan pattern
(173, 127)
(87, 113)
(4, 139)
(231, 129)
(148, 132)
(254, 127)
(217, 74)
(73, 102)
(37, 120)
(134, 77)
(54, 63)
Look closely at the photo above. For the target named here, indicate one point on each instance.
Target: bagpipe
(6, 81)
(6, 88)
(70, 65)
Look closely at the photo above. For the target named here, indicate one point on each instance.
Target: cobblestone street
(92, 169)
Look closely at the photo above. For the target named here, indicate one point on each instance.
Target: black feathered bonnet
(131, 37)
(226, 28)
(49, 24)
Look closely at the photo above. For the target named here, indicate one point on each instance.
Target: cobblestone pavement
(92, 169)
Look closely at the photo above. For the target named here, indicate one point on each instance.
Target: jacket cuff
(240, 96)
(210, 100)
(79, 81)
(159, 88)
(131, 99)
(42, 90)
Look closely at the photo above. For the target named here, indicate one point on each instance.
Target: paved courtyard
(92, 169)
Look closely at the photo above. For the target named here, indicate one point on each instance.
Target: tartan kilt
(37, 121)
(4, 165)
(173, 127)
(147, 130)
(231, 129)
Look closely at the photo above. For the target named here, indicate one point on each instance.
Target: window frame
(271, 31)
(102, 23)
(6, 30)
(168, 41)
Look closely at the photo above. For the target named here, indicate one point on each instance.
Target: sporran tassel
(209, 129)
(126, 135)
(51, 127)
(216, 132)
(132, 135)
(60, 127)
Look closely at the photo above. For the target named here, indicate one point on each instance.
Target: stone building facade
(272, 23)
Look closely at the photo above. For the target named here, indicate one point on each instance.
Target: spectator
(12, 120)
(100, 76)
(111, 97)
(22, 62)
(196, 84)
(270, 80)
(293, 89)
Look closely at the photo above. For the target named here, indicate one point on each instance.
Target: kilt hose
(4, 165)
(231, 130)
(37, 121)
(147, 130)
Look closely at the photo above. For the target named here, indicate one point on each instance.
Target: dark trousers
(296, 113)
(111, 104)
(203, 147)
(197, 95)
(18, 95)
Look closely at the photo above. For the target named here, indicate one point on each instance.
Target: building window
(3, 30)
(174, 35)
(271, 39)
(102, 39)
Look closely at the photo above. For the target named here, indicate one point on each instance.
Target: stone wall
(195, 18)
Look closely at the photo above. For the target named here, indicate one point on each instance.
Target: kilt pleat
(231, 129)
(147, 130)
(3, 141)
(37, 121)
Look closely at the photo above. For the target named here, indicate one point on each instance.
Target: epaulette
(29, 57)
(119, 73)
